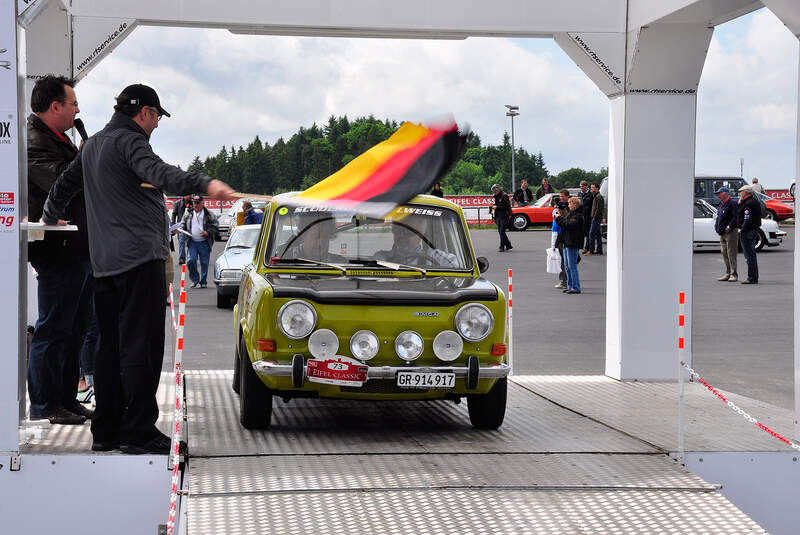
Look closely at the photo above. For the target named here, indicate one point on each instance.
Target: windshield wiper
(307, 261)
(390, 265)
(239, 247)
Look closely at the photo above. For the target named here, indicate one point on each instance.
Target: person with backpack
(749, 221)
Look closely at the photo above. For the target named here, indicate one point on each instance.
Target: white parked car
(705, 236)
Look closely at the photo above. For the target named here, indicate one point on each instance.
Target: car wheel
(236, 383)
(222, 301)
(255, 399)
(519, 222)
(759, 241)
(486, 411)
(771, 215)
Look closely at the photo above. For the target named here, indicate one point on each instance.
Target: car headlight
(447, 346)
(408, 345)
(474, 322)
(323, 344)
(364, 345)
(230, 274)
(297, 319)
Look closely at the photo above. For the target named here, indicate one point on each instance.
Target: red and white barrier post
(681, 353)
(510, 323)
(176, 432)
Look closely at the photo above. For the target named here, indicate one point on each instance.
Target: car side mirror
(483, 264)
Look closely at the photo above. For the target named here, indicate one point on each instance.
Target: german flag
(391, 172)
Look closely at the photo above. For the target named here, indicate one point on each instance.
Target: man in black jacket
(725, 226)
(523, 196)
(572, 236)
(749, 221)
(121, 176)
(61, 260)
(502, 213)
(178, 210)
(587, 199)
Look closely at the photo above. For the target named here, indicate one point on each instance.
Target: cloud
(747, 101)
(226, 88)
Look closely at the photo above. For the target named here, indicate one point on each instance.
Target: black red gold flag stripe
(392, 172)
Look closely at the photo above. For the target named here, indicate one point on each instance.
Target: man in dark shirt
(749, 222)
(61, 260)
(544, 189)
(178, 210)
(587, 199)
(725, 226)
(523, 196)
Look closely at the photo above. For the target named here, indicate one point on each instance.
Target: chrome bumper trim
(389, 372)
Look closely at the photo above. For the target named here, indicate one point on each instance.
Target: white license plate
(426, 379)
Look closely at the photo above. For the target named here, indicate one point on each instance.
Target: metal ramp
(380, 468)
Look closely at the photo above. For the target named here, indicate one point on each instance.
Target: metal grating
(304, 473)
(470, 511)
(69, 439)
(318, 426)
(649, 411)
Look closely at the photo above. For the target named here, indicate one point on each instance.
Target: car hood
(235, 258)
(430, 291)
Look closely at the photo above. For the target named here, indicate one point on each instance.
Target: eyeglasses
(158, 113)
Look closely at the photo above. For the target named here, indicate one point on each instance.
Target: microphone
(81, 129)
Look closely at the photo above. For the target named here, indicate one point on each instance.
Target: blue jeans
(595, 240)
(749, 250)
(202, 250)
(571, 265)
(64, 293)
(182, 246)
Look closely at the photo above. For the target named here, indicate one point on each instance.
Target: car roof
(419, 199)
(720, 176)
(245, 227)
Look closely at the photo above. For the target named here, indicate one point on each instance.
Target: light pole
(512, 112)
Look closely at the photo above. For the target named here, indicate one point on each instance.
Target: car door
(704, 225)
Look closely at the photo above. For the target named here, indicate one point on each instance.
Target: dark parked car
(706, 185)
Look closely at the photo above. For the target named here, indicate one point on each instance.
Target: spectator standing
(251, 215)
(544, 189)
(523, 196)
(756, 186)
(437, 190)
(502, 213)
(572, 231)
(178, 211)
(558, 243)
(597, 215)
(725, 226)
(128, 246)
(202, 225)
(586, 199)
(749, 221)
(61, 260)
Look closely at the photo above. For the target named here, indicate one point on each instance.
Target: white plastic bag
(553, 261)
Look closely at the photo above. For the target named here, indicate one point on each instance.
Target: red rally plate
(342, 371)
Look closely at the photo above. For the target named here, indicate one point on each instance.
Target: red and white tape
(176, 432)
(172, 306)
(510, 321)
(738, 410)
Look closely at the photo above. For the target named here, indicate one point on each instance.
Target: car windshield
(702, 209)
(237, 206)
(243, 237)
(544, 201)
(412, 237)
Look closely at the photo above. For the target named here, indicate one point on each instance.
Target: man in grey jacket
(121, 178)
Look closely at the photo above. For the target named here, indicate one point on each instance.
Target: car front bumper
(498, 371)
(227, 286)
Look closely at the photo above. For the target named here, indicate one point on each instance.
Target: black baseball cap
(141, 95)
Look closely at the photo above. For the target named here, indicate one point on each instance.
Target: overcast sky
(223, 89)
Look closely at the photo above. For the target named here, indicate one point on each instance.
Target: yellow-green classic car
(340, 305)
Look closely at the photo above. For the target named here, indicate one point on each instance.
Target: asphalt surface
(742, 335)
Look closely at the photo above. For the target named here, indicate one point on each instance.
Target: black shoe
(573, 291)
(501, 250)
(565, 291)
(66, 417)
(509, 247)
(203, 285)
(105, 446)
(180, 262)
(158, 445)
(80, 410)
